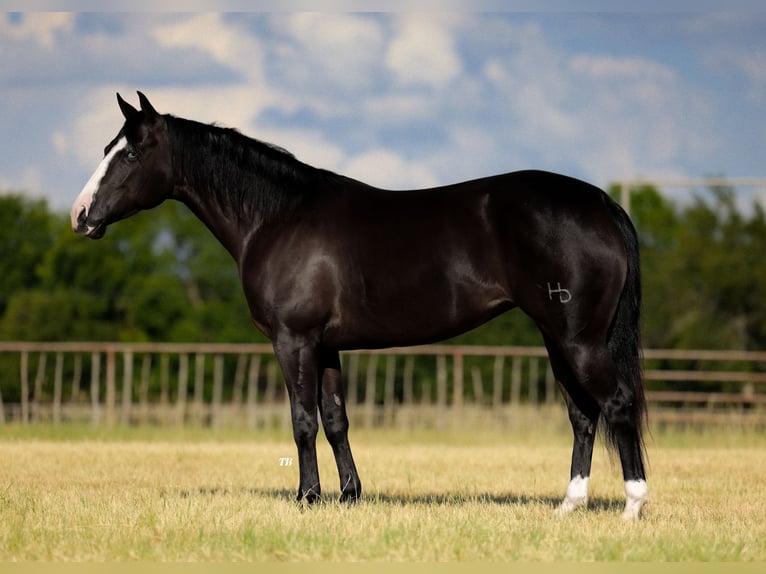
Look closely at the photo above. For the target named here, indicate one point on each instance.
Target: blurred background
(666, 111)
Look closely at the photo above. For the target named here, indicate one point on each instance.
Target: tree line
(161, 276)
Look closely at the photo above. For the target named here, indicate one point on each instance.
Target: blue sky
(400, 99)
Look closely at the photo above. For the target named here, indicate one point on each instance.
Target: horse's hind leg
(584, 428)
(623, 431)
(584, 420)
(596, 373)
(332, 407)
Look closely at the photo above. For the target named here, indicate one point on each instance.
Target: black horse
(329, 263)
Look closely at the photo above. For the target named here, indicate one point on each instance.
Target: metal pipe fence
(240, 385)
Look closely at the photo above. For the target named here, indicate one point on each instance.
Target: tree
(702, 270)
(26, 233)
(158, 276)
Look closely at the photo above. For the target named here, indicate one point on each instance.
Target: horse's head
(135, 173)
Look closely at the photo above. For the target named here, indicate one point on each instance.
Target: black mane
(248, 176)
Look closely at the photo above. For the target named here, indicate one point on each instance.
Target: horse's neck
(223, 224)
(273, 181)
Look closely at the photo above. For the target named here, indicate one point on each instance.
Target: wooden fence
(240, 384)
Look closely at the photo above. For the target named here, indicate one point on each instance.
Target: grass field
(152, 494)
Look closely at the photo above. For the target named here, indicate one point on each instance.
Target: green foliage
(159, 276)
(702, 273)
(26, 233)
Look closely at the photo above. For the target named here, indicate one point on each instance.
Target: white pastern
(576, 496)
(85, 199)
(636, 494)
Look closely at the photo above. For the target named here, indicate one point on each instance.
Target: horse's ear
(147, 107)
(127, 110)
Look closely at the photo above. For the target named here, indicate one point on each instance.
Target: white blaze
(85, 199)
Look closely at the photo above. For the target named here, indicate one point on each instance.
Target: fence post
(441, 381)
(534, 372)
(58, 383)
(389, 410)
(270, 394)
(183, 388)
(369, 392)
(215, 421)
(127, 387)
(352, 394)
(408, 394)
(516, 381)
(95, 381)
(457, 379)
(24, 387)
(42, 362)
(199, 388)
(239, 384)
(76, 379)
(111, 386)
(143, 392)
(164, 382)
(497, 381)
(252, 390)
(477, 386)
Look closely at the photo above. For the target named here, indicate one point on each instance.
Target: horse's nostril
(82, 217)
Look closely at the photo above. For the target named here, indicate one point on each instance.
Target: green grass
(73, 493)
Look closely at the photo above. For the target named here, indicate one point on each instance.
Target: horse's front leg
(298, 359)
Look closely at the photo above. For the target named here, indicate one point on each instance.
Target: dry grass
(205, 496)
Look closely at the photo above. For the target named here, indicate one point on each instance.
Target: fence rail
(240, 384)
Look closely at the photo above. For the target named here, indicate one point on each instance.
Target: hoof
(576, 496)
(351, 491)
(636, 495)
(310, 496)
(351, 497)
(568, 506)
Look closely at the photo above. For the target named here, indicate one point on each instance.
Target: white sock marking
(576, 496)
(85, 199)
(636, 494)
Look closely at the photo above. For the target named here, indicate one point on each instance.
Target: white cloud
(753, 67)
(385, 168)
(225, 41)
(309, 146)
(41, 27)
(333, 36)
(328, 52)
(95, 123)
(609, 67)
(601, 115)
(399, 107)
(60, 142)
(231, 106)
(472, 151)
(423, 51)
(29, 181)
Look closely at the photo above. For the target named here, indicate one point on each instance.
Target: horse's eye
(132, 155)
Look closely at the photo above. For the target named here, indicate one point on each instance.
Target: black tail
(625, 336)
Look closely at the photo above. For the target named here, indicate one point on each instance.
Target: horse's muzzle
(80, 225)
